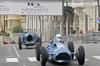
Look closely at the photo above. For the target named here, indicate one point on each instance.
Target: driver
(58, 37)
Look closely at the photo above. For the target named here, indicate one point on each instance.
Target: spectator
(81, 31)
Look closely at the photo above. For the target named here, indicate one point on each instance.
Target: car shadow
(71, 63)
(60, 64)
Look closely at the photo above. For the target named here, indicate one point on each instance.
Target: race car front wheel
(71, 48)
(43, 58)
(37, 52)
(19, 43)
(80, 55)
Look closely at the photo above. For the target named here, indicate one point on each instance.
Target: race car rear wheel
(19, 43)
(80, 55)
(71, 48)
(37, 52)
(44, 57)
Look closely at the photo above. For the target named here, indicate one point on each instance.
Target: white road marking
(12, 60)
(32, 59)
(96, 57)
(16, 52)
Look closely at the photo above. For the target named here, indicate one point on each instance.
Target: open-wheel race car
(59, 53)
(29, 39)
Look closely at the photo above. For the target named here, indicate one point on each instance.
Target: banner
(31, 8)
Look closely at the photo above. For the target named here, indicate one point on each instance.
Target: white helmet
(58, 37)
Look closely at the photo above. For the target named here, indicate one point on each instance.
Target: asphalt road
(10, 55)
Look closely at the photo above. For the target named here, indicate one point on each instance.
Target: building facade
(86, 13)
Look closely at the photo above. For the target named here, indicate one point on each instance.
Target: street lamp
(98, 8)
(98, 14)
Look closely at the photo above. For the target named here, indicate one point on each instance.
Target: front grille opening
(63, 56)
(29, 38)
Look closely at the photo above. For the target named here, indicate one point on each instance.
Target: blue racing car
(29, 39)
(57, 52)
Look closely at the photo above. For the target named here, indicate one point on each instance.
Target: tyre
(80, 55)
(39, 40)
(19, 43)
(37, 52)
(71, 48)
(43, 56)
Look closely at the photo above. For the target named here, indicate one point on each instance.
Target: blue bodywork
(58, 52)
(33, 38)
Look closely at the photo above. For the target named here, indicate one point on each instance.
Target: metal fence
(91, 37)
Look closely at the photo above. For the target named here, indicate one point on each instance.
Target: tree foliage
(17, 29)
